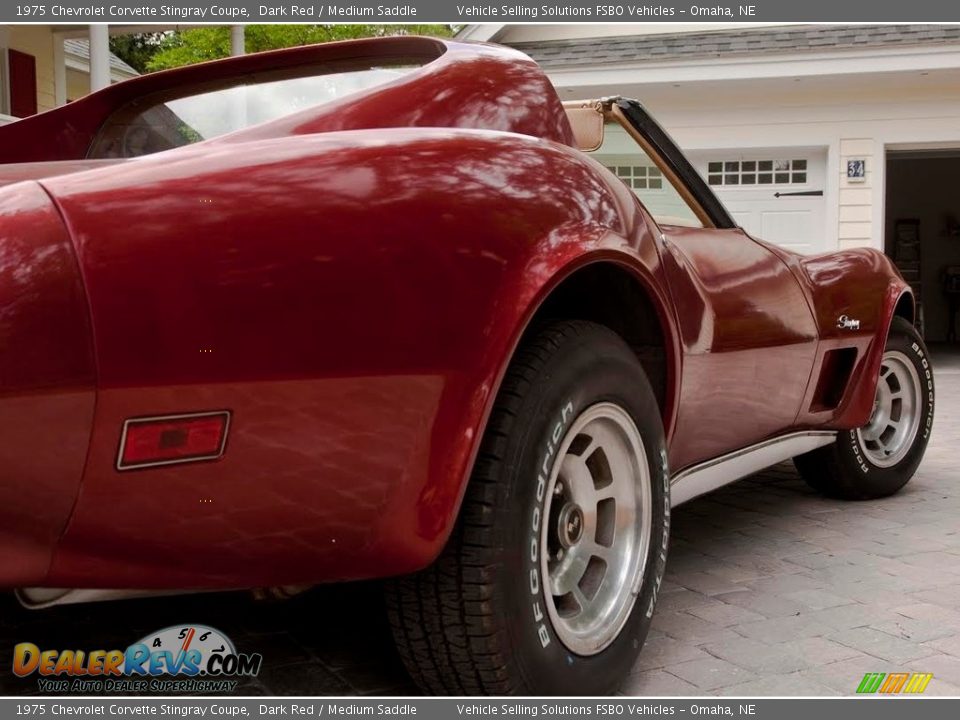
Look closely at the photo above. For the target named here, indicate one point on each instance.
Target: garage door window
(628, 161)
(757, 172)
(639, 177)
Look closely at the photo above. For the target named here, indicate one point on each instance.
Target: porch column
(59, 72)
(99, 57)
(237, 40)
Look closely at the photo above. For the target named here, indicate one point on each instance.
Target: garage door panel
(788, 227)
(796, 222)
(745, 219)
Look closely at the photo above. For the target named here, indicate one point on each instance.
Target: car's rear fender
(353, 299)
(47, 380)
(12, 173)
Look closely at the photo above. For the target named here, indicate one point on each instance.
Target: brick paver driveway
(770, 590)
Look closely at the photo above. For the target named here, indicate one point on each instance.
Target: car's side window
(628, 161)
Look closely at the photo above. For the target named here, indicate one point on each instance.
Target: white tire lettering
(665, 541)
(558, 429)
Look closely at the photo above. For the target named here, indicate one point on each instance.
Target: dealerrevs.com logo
(180, 658)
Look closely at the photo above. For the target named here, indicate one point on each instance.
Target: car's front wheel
(879, 458)
(549, 581)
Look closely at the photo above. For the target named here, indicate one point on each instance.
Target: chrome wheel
(892, 428)
(596, 531)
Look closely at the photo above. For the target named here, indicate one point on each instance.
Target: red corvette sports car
(387, 309)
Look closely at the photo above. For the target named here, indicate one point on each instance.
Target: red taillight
(172, 439)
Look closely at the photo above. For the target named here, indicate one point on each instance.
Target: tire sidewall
(887, 480)
(578, 376)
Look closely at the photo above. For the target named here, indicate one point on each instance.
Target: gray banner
(476, 11)
(452, 709)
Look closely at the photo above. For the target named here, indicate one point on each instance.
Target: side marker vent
(170, 439)
(834, 378)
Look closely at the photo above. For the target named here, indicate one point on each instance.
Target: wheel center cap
(570, 525)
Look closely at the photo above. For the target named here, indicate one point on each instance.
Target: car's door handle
(800, 193)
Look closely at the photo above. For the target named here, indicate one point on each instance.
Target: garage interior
(922, 235)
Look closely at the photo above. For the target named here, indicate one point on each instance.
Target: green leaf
(185, 47)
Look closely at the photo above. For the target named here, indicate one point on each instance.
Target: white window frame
(790, 171)
(650, 172)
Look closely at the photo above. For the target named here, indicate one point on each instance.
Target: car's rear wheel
(548, 583)
(881, 457)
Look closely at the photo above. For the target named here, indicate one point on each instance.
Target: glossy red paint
(18, 172)
(862, 284)
(745, 325)
(350, 284)
(358, 357)
(47, 381)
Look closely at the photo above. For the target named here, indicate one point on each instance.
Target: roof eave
(755, 67)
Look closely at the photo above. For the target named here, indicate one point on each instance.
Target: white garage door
(775, 195)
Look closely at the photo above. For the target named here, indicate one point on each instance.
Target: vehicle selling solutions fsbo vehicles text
(603, 10)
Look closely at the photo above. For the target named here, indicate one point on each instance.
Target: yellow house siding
(37, 40)
(78, 84)
(856, 198)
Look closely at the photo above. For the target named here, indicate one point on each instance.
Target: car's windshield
(160, 123)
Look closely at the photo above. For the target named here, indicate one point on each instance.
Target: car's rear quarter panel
(352, 299)
(47, 379)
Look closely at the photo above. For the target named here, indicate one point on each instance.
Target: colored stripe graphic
(918, 683)
(894, 683)
(870, 682)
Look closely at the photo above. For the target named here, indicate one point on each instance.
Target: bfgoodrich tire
(880, 458)
(549, 581)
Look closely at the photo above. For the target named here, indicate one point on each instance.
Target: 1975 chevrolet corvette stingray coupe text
(384, 309)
